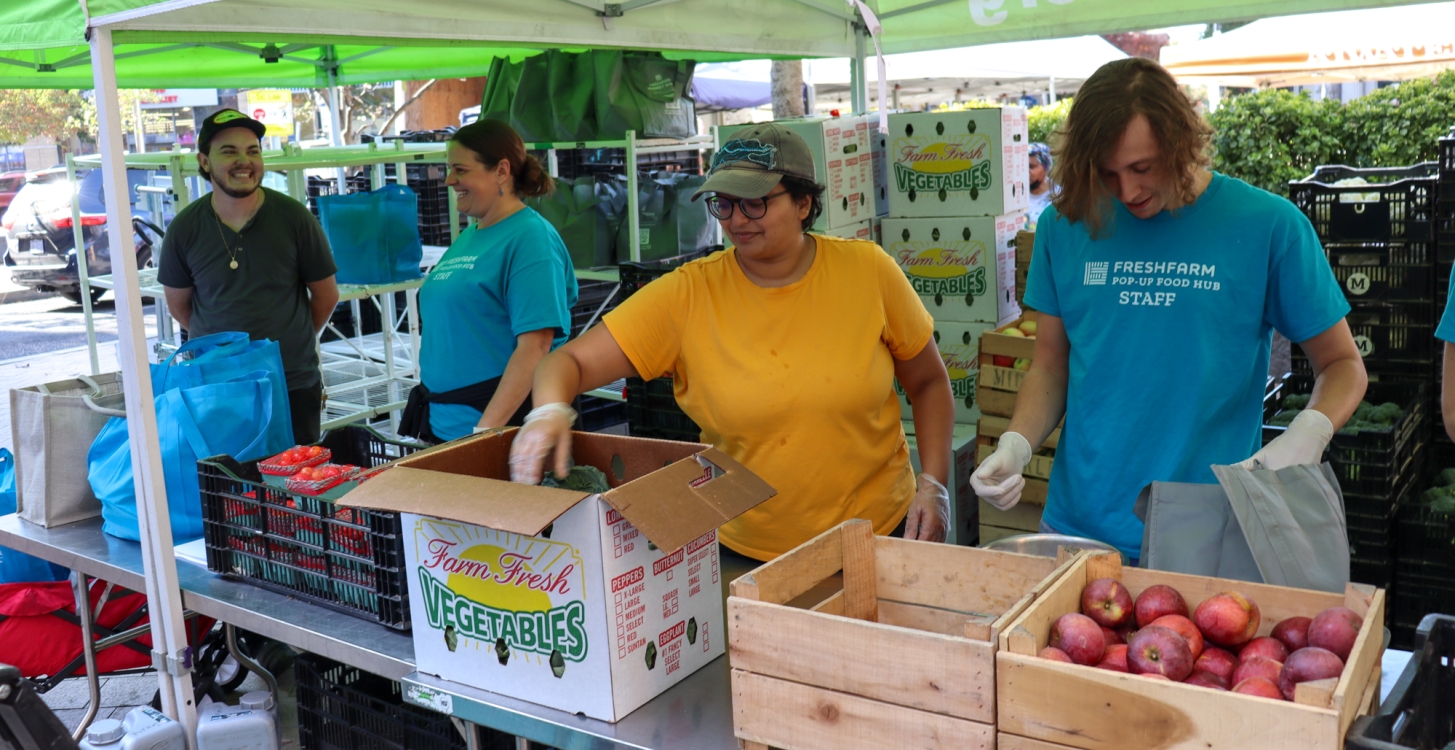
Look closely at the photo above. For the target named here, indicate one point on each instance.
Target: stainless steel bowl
(1045, 545)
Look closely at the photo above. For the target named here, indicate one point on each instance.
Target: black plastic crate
(1418, 596)
(1369, 464)
(1420, 709)
(1384, 271)
(1426, 535)
(594, 300)
(1396, 203)
(345, 708)
(595, 414)
(635, 275)
(652, 412)
(347, 559)
(1373, 573)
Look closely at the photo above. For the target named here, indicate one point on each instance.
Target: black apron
(414, 420)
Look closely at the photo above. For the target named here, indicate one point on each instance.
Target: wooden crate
(903, 655)
(1067, 705)
(997, 387)
(1025, 242)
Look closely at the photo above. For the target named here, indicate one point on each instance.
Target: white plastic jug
(239, 728)
(143, 729)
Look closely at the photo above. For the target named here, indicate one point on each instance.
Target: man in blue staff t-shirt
(1159, 285)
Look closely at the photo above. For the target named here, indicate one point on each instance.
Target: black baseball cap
(223, 119)
(756, 159)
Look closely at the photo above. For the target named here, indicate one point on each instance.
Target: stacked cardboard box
(954, 194)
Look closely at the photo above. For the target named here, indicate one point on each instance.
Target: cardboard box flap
(681, 502)
(517, 508)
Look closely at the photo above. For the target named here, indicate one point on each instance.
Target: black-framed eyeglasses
(754, 208)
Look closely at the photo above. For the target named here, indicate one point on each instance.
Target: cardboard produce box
(585, 603)
(902, 656)
(959, 345)
(842, 162)
(1069, 705)
(968, 163)
(863, 230)
(958, 265)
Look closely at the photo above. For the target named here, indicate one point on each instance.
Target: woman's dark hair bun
(532, 180)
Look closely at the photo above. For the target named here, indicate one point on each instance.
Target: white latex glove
(1302, 443)
(929, 512)
(547, 428)
(998, 480)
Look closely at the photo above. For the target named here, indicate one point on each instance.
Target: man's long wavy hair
(1106, 103)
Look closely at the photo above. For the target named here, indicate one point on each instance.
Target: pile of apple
(1025, 329)
(1215, 648)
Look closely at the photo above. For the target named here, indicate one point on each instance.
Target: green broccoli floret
(1283, 418)
(1444, 504)
(1296, 401)
(1361, 414)
(1445, 478)
(1386, 414)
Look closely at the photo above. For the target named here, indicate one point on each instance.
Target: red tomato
(332, 472)
(316, 450)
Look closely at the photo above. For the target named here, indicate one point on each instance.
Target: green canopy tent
(106, 44)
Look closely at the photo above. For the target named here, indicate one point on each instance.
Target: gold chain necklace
(232, 252)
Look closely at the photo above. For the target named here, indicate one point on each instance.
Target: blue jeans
(1046, 529)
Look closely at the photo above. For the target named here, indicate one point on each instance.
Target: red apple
(1228, 619)
(1107, 601)
(1206, 679)
(1080, 637)
(1267, 646)
(1000, 360)
(1111, 636)
(1335, 629)
(1307, 665)
(1055, 654)
(1157, 601)
(1186, 629)
(1259, 687)
(1159, 650)
(1257, 666)
(1115, 658)
(1293, 632)
(1217, 661)
(1125, 632)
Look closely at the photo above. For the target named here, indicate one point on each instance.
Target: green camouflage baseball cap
(749, 165)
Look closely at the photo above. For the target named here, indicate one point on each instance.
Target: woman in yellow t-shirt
(784, 350)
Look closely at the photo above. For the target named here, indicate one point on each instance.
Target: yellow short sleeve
(908, 326)
(648, 325)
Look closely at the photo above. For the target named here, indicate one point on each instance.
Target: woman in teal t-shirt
(499, 299)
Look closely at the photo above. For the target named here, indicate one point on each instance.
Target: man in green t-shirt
(246, 258)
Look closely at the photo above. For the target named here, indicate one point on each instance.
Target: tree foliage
(1267, 138)
(35, 113)
(1045, 119)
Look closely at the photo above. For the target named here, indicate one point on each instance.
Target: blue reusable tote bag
(374, 235)
(226, 356)
(237, 416)
(18, 567)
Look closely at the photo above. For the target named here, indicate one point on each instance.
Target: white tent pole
(334, 120)
(78, 235)
(164, 595)
(859, 98)
(1051, 98)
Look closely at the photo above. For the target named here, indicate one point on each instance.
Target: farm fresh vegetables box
(958, 265)
(974, 162)
(590, 603)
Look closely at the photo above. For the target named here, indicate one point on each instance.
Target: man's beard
(235, 193)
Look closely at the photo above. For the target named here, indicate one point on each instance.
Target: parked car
(10, 184)
(40, 244)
